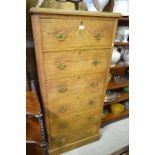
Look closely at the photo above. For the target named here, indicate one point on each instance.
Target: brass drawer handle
(91, 102)
(88, 131)
(93, 84)
(63, 140)
(99, 35)
(63, 125)
(61, 36)
(62, 109)
(62, 66)
(90, 118)
(62, 89)
(95, 62)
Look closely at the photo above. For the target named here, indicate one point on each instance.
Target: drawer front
(75, 121)
(68, 137)
(71, 33)
(66, 105)
(89, 83)
(62, 64)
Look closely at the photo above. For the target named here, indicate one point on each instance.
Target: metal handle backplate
(63, 125)
(99, 35)
(93, 84)
(62, 109)
(62, 89)
(62, 66)
(61, 36)
(91, 102)
(90, 118)
(63, 140)
(96, 62)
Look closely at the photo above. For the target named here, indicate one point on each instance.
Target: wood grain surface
(99, 33)
(79, 102)
(73, 52)
(70, 63)
(74, 121)
(90, 83)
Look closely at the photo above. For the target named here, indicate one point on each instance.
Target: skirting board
(73, 145)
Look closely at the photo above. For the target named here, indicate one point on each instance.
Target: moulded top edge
(35, 10)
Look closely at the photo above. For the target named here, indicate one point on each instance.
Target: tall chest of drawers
(73, 53)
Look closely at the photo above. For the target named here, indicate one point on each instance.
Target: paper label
(81, 27)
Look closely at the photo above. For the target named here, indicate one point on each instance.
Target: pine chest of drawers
(73, 53)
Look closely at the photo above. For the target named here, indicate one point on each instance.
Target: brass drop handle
(61, 36)
(91, 102)
(99, 35)
(63, 140)
(90, 118)
(63, 125)
(62, 89)
(62, 66)
(88, 131)
(62, 109)
(95, 62)
(93, 84)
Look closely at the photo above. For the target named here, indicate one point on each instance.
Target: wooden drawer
(65, 106)
(56, 88)
(60, 34)
(62, 64)
(74, 121)
(68, 137)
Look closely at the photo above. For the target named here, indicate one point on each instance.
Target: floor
(113, 137)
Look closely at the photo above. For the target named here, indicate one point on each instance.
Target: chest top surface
(50, 11)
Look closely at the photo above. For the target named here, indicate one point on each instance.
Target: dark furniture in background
(35, 132)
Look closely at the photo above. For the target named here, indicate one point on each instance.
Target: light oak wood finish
(74, 121)
(50, 11)
(77, 102)
(70, 63)
(74, 135)
(40, 67)
(75, 144)
(73, 52)
(98, 31)
(89, 83)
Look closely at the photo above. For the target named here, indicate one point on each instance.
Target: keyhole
(81, 26)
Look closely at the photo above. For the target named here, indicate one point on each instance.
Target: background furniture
(73, 52)
(117, 70)
(35, 130)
